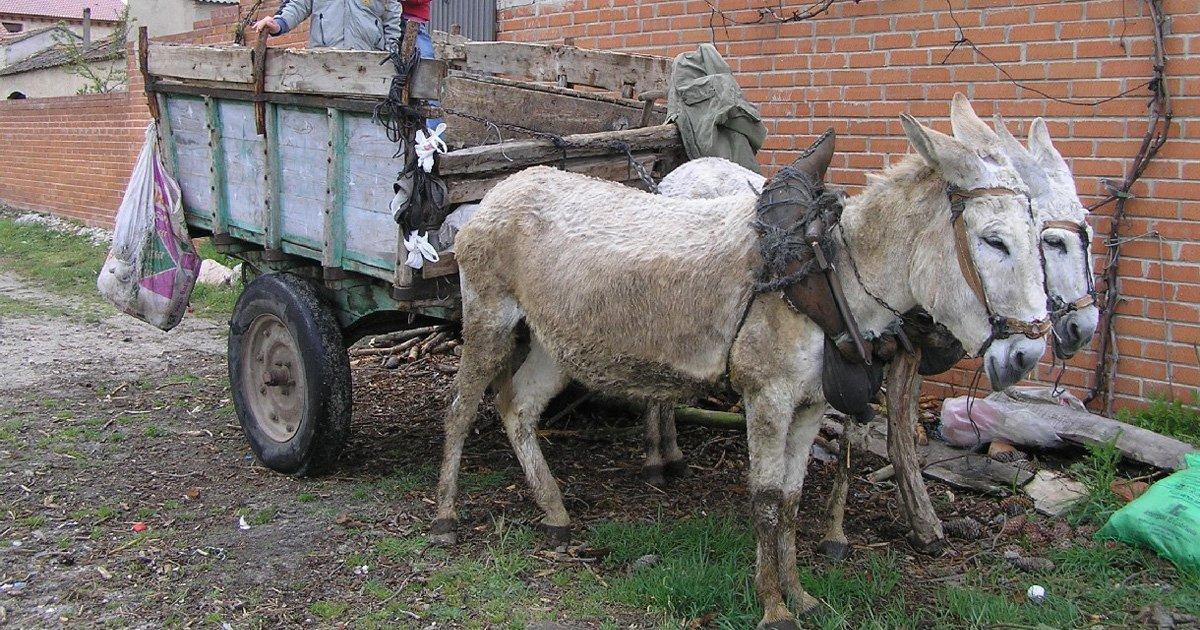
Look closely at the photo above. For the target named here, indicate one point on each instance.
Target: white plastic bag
(152, 267)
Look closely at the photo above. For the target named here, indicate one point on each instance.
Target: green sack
(1166, 518)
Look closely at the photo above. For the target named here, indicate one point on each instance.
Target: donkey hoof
(933, 547)
(557, 535)
(443, 533)
(678, 469)
(834, 550)
(653, 475)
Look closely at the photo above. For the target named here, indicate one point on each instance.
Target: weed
(1169, 417)
(1097, 471)
(327, 610)
(154, 431)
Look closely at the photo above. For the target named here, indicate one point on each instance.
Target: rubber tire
(324, 427)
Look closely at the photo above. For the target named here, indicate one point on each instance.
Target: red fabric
(416, 9)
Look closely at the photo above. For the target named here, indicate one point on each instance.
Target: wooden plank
(334, 235)
(206, 63)
(331, 72)
(541, 62)
(552, 110)
(446, 265)
(461, 190)
(357, 73)
(520, 153)
(271, 177)
(220, 203)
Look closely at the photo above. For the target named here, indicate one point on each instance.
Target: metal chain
(854, 268)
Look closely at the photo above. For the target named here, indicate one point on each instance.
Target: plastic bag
(975, 422)
(1166, 518)
(152, 267)
(454, 222)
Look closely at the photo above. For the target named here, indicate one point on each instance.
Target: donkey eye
(1056, 242)
(996, 244)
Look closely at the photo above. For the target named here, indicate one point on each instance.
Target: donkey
(653, 298)
(1065, 241)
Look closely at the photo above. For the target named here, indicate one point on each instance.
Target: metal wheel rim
(273, 379)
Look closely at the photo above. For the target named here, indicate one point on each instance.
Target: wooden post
(216, 146)
(402, 278)
(903, 392)
(144, 67)
(335, 219)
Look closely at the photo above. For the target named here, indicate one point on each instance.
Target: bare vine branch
(1157, 131)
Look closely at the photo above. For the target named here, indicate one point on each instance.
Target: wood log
(1022, 416)
(375, 352)
(903, 389)
(515, 155)
(393, 338)
(617, 169)
(708, 418)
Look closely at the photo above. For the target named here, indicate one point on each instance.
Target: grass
(67, 265)
(705, 572)
(1174, 418)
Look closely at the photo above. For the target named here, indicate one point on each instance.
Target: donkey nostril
(1024, 360)
(1073, 331)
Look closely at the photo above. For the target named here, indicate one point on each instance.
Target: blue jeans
(425, 48)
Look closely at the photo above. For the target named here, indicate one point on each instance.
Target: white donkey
(1065, 243)
(653, 298)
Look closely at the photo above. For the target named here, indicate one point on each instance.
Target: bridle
(1002, 327)
(1059, 308)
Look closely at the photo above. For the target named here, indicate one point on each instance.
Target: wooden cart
(283, 165)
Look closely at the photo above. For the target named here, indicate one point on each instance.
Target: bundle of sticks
(410, 344)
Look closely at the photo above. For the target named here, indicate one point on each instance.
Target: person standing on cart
(352, 24)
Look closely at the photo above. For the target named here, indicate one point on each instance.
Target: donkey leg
(903, 383)
(767, 428)
(486, 354)
(522, 398)
(806, 422)
(835, 545)
(652, 466)
(672, 457)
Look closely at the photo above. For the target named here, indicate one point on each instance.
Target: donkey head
(1070, 245)
(983, 229)
(1065, 235)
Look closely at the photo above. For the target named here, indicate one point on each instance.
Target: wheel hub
(273, 384)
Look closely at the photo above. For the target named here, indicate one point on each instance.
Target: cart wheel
(290, 375)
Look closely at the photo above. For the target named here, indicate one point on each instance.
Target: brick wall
(862, 64)
(73, 155)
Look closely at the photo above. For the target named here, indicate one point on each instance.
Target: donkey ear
(1043, 151)
(1007, 140)
(967, 125)
(946, 154)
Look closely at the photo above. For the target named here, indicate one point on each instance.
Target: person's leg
(425, 48)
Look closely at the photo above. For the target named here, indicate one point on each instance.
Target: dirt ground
(131, 499)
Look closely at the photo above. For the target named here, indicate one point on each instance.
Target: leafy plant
(1174, 418)
(101, 74)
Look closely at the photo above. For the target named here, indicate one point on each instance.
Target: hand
(269, 24)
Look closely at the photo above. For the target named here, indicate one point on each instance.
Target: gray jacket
(353, 24)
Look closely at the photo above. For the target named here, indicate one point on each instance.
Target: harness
(1002, 327)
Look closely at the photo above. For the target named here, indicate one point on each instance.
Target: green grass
(1174, 418)
(67, 264)
(706, 569)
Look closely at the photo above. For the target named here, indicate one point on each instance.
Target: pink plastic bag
(968, 422)
(152, 267)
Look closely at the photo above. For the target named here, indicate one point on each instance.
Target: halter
(1002, 327)
(1058, 308)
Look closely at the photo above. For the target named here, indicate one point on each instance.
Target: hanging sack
(152, 266)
